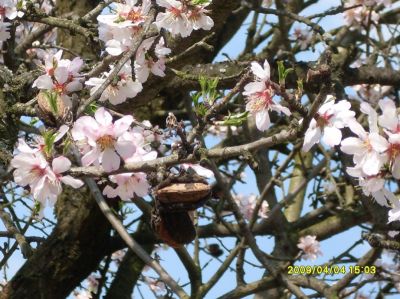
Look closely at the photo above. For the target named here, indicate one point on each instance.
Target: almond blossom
(102, 141)
(83, 295)
(362, 15)
(302, 37)
(155, 285)
(129, 184)
(174, 19)
(43, 179)
(330, 118)
(394, 212)
(371, 185)
(200, 170)
(197, 16)
(120, 89)
(390, 121)
(368, 149)
(372, 92)
(259, 96)
(144, 64)
(247, 204)
(8, 9)
(128, 14)
(310, 247)
(62, 76)
(118, 30)
(182, 18)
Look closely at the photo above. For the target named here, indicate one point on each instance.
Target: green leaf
(52, 100)
(200, 2)
(282, 72)
(91, 109)
(208, 94)
(234, 119)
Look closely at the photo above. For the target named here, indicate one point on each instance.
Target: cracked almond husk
(183, 193)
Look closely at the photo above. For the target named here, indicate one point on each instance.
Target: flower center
(367, 144)
(194, 15)
(106, 141)
(135, 16)
(175, 11)
(59, 88)
(323, 119)
(260, 100)
(38, 171)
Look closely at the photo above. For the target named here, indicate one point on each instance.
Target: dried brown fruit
(183, 193)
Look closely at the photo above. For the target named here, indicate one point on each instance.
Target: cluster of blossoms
(303, 37)
(363, 14)
(182, 17)
(144, 63)
(118, 30)
(156, 286)
(104, 142)
(377, 153)
(37, 168)
(372, 93)
(247, 204)
(120, 89)
(310, 247)
(92, 287)
(62, 76)
(8, 10)
(330, 118)
(260, 96)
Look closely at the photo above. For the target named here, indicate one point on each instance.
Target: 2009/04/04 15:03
(331, 270)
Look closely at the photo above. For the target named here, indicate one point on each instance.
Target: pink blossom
(372, 93)
(390, 121)
(247, 203)
(182, 19)
(44, 180)
(118, 30)
(331, 117)
(93, 283)
(8, 9)
(302, 37)
(155, 285)
(128, 14)
(371, 185)
(200, 170)
(361, 15)
(259, 96)
(129, 184)
(368, 149)
(122, 88)
(118, 256)
(107, 141)
(62, 76)
(174, 19)
(146, 64)
(394, 213)
(83, 295)
(310, 247)
(198, 18)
